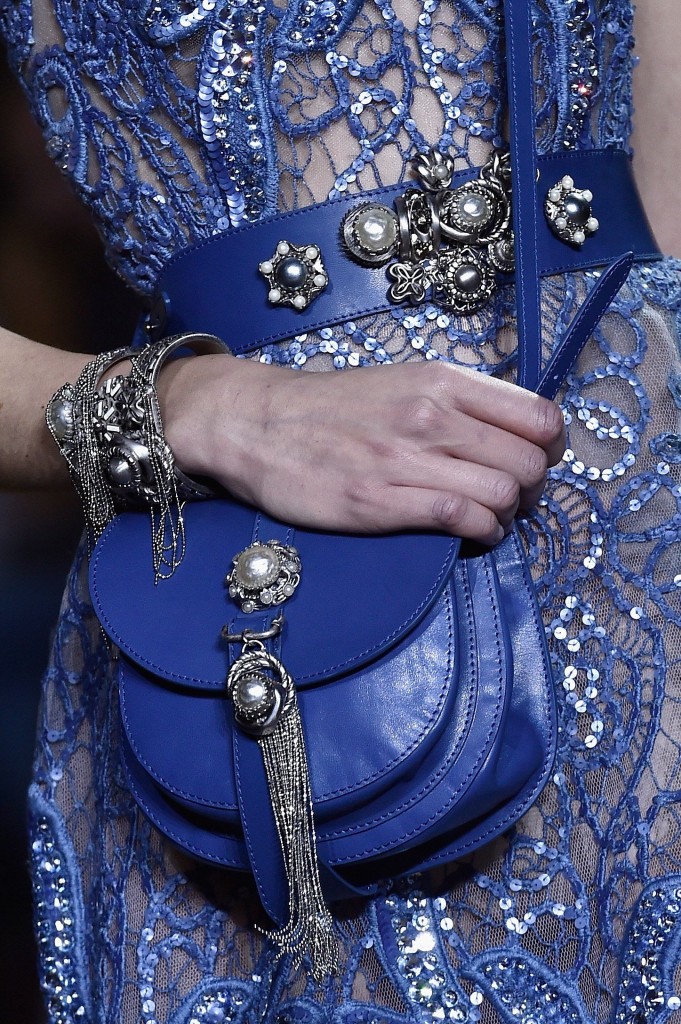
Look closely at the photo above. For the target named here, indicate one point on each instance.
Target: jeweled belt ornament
(442, 239)
(449, 242)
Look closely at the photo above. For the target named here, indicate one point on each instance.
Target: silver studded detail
(263, 575)
(370, 232)
(57, 923)
(569, 212)
(295, 274)
(449, 242)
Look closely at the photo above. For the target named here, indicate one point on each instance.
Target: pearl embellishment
(370, 233)
(295, 274)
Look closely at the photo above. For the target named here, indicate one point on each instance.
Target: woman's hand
(409, 446)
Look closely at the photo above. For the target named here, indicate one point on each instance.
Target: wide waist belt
(247, 286)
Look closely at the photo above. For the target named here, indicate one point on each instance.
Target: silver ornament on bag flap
(263, 575)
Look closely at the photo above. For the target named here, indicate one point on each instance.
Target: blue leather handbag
(423, 683)
(422, 676)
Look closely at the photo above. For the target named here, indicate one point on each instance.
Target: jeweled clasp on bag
(266, 707)
(257, 683)
(260, 688)
(263, 574)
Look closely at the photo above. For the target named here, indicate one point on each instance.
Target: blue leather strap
(216, 286)
(583, 326)
(520, 79)
(259, 826)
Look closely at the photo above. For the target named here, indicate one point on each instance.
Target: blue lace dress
(178, 120)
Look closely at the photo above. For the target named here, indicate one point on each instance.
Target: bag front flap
(357, 598)
(362, 731)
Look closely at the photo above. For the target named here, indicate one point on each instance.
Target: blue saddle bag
(423, 683)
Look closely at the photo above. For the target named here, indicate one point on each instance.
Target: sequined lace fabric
(177, 120)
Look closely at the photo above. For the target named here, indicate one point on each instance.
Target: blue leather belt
(217, 287)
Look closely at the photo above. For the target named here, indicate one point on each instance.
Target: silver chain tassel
(266, 707)
(310, 925)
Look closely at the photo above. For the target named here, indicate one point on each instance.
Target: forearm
(29, 375)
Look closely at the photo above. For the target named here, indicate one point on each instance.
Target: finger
(464, 440)
(495, 489)
(508, 407)
(503, 452)
(448, 512)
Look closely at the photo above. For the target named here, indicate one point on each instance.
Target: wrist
(182, 389)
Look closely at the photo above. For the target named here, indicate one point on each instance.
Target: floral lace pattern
(177, 120)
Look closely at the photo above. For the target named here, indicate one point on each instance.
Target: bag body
(423, 683)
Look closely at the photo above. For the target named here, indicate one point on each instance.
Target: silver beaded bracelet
(69, 416)
(112, 438)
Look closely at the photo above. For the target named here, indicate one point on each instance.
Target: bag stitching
(512, 814)
(172, 788)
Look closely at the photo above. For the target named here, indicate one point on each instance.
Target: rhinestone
(577, 208)
(215, 1014)
(473, 209)
(370, 232)
(468, 278)
(253, 692)
(120, 471)
(376, 229)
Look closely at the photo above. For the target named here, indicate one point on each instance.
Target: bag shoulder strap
(520, 83)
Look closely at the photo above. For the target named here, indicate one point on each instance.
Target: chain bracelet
(111, 436)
